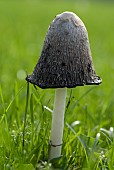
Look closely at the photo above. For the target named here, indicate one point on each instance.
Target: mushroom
(65, 62)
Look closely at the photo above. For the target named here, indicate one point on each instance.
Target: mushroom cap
(65, 60)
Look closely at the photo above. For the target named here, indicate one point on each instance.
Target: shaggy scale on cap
(65, 59)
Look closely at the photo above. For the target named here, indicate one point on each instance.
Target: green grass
(25, 123)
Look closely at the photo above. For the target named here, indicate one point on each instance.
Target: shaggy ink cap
(65, 60)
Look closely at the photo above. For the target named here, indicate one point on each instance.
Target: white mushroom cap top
(71, 16)
(65, 60)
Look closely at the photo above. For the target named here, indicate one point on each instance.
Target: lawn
(25, 117)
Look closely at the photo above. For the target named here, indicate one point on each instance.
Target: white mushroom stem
(57, 123)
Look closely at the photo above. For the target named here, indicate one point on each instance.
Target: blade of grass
(95, 142)
(32, 118)
(26, 109)
(13, 99)
(74, 102)
(16, 90)
(2, 99)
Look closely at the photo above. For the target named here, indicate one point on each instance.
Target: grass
(25, 116)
